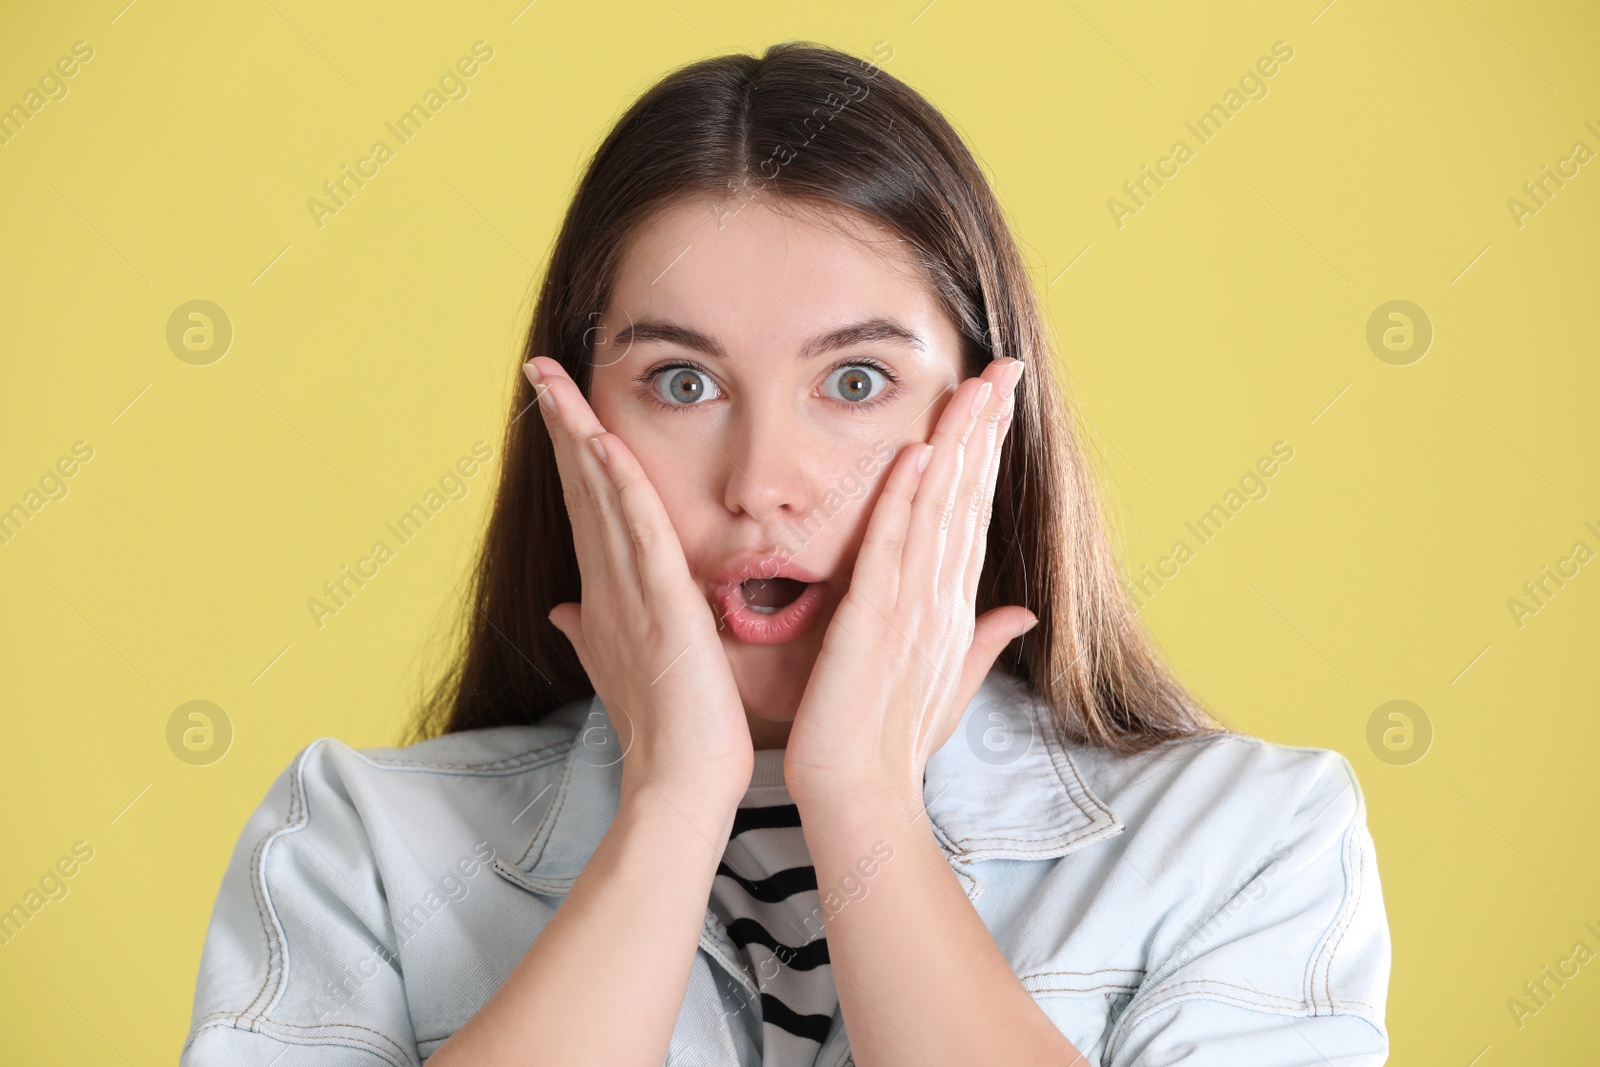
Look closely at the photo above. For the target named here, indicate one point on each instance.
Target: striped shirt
(765, 893)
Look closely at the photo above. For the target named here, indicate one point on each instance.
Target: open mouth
(767, 596)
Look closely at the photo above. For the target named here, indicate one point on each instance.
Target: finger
(933, 508)
(966, 503)
(657, 555)
(606, 504)
(542, 373)
(592, 503)
(878, 563)
(989, 444)
(568, 618)
(993, 631)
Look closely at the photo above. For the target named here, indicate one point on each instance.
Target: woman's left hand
(904, 654)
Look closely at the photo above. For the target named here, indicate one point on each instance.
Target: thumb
(993, 631)
(568, 618)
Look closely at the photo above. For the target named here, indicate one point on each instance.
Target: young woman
(801, 716)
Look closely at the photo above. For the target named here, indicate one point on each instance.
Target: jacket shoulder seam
(1344, 918)
(272, 930)
(1307, 1005)
(276, 977)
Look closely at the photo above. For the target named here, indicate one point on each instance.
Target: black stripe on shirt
(780, 886)
(777, 815)
(811, 955)
(779, 1014)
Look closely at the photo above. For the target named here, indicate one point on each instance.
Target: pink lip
(754, 628)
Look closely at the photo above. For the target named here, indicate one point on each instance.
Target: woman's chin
(771, 678)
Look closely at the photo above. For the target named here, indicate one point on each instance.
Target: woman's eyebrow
(865, 331)
(643, 331)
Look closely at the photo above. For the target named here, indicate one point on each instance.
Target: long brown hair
(809, 124)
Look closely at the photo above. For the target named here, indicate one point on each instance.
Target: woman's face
(767, 368)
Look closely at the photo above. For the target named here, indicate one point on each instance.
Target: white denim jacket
(1214, 901)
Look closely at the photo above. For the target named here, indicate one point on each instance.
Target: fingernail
(982, 397)
(541, 391)
(1013, 376)
(922, 460)
(1030, 626)
(599, 450)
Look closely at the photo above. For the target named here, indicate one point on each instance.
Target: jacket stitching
(512, 762)
(1123, 987)
(1070, 779)
(381, 1051)
(1102, 819)
(332, 1030)
(1358, 869)
(1349, 923)
(334, 1027)
(1171, 993)
(1083, 989)
(1334, 935)
(557, 802)
(1207, 983)
(1039, 846)
(277, 949)
(1076, 789)
(298, 818)
(1329, 943)
(1223, 989)
(954, 847)
(539, 885)
(1315, 964)
(1085, 974)
(277, 942)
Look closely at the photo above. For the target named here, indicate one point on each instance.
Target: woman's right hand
(644, 632)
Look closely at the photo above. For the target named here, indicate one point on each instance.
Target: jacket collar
(1004, 786)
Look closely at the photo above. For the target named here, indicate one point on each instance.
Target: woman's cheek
(681, 483)
(868, 469)
(852, 481)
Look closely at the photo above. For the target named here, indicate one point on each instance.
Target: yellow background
(1229, 313)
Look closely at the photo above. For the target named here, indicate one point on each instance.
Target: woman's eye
(856, 382)
(684, 386)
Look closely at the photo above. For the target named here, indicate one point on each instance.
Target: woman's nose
(767, 476)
